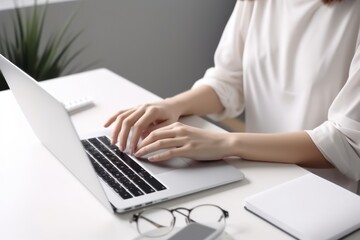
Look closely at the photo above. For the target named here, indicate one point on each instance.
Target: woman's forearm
(295, 147)
(197, 101)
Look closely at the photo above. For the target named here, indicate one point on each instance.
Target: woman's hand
(180, 140)
(146, 118)
(142, 120)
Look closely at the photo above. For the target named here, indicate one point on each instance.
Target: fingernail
(135, 149)
(137, 153)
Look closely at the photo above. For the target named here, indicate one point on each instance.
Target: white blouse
(295, 65)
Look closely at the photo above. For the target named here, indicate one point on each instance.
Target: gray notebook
(308, 207)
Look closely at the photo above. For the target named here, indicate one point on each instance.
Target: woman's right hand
(142, 120)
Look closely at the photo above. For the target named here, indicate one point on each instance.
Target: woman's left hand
(179, 140)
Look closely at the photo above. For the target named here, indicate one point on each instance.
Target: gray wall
(162, 45)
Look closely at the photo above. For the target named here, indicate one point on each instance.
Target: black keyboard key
(143, 185)
(132, 188)
(105, 140)
(94, 141)
(121, 191)
(122, 179)
(152, 181)
(121, 167)
(126, 183)
(138, 169)
(119, 164)
(98, 145)
(85, 143)
(129, 161)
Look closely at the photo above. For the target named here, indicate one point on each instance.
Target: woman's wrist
(233, 141)
(176, 105)
(197, 101)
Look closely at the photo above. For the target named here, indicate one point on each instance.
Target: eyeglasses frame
(136, 216)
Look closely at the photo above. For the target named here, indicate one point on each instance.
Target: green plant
(26, 47)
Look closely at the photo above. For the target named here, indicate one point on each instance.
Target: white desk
(40, 199)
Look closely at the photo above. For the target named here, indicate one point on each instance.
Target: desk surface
(40, 199)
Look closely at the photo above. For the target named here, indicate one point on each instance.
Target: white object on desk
(78, 104)
(308, 207)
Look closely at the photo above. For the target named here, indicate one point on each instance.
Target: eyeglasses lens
(155, 222)
(208, 215)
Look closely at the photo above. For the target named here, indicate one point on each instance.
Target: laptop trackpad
(165, 166)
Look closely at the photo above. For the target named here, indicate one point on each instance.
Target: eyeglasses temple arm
(152, 222)
(225, 215)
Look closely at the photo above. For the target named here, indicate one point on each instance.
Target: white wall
(162, 45)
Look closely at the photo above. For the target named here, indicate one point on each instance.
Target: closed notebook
(309, 208)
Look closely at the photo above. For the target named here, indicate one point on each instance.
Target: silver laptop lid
(52, 125)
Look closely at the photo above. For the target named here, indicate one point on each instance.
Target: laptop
(119, 181)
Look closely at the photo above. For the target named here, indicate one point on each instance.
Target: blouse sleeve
(339, 137)
(226, 75)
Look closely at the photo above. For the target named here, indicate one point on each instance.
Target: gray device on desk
(119, 181)
(197, 231)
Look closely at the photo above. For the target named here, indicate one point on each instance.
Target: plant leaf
(25, 47)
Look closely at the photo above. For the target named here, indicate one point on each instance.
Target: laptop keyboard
(126, 177)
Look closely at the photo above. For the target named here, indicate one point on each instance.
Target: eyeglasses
(157, 222)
